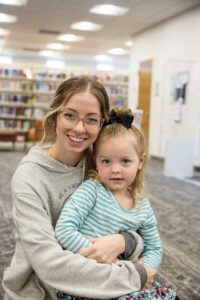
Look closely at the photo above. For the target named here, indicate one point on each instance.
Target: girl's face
(117, 162)
(78, 124)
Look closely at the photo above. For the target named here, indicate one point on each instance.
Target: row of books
(116, 90)
(15, 85)
(12, 73)
(7, 98)
(15, 124)
(21, 112)
(55, 75)
(27, 86)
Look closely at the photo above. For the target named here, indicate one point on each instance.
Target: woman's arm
(61, 269)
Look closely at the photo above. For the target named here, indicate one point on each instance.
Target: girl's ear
(141, 161)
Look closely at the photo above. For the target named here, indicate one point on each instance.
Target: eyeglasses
(91, 123)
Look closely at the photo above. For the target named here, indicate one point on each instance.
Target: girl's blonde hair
(116, 129)
(64, 92)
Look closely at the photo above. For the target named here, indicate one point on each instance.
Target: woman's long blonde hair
(116, 129)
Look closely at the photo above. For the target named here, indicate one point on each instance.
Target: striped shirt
(93, 211)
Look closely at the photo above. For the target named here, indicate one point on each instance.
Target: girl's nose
(115, 169)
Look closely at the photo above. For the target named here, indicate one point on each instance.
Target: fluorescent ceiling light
(70, 38)
(6, 59)
(88, 26)
(104, 67)
(117, 51)
(4, 31)
(7, 18)
(14, 2)
(46, 53)
(102, 57)
(55, 64)
(108, 9)
(128, 43)
(58, 46)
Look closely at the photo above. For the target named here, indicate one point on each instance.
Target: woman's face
(78, 123)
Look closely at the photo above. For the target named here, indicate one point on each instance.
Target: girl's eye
(105, 161)
(125, 161)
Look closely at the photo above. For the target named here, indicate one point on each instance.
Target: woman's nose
(79, 127)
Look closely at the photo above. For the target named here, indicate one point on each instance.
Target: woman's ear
(141, 161)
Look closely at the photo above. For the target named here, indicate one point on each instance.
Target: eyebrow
(75, 111)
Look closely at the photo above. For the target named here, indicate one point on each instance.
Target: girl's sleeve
(73, 215)
(152, 253)
(60, 269)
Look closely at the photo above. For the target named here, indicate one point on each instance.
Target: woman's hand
(105, 249)
(150, 277)
(150, 274)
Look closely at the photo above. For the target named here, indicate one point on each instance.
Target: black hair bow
(125, 119)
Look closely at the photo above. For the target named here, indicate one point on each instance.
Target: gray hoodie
(40, 187)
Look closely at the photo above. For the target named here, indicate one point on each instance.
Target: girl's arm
(152, 253)
(104, 249)
(73, 216)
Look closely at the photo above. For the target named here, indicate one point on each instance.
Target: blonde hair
(116, 129)
(64, 92)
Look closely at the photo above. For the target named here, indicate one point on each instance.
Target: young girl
(111, 201)
(41, 185)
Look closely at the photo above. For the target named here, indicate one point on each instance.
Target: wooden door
(144, 96)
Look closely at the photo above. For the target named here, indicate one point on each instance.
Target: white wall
(174, 46)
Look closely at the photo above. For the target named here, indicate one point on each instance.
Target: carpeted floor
(176, 204)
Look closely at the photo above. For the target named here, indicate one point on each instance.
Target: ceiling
(57, 15)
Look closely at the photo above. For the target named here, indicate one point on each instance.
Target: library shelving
(25, 94)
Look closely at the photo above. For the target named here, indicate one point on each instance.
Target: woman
(44, 180)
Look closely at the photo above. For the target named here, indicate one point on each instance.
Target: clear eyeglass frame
(71, 120)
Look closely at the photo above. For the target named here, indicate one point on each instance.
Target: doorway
(144, 96)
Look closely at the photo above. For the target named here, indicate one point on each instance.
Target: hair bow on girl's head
(125, 119)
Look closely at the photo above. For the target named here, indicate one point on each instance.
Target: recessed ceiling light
(104, 67)
(108, 9)
(4, 31)
(128, 43)
(14, 2)
(7, 18)
(102, 57)
(88, 26)
(58, 46)
(70, 38)
(117, 51)
(55, 64)
(6, 59)
(46, 53)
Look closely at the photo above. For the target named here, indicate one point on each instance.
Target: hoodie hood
(37, 155)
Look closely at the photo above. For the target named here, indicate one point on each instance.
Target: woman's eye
(69, 115)
(91, 121)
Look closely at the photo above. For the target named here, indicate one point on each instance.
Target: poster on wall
(180, 82)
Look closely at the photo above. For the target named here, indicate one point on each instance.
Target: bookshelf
(25, 93)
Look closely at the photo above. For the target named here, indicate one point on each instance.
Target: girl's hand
(141, 261)
(105, 249)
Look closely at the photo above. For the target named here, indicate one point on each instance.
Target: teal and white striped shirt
(92, 211)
